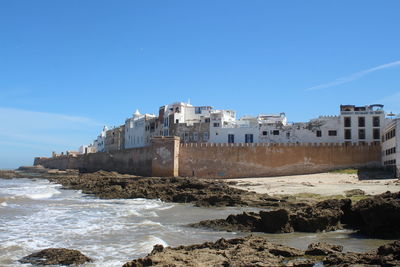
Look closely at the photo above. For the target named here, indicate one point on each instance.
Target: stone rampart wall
(256, 160)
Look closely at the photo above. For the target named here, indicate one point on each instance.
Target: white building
(224, 128)
(181, 112)
(321, 130)
(138, 130)
(99, 142)
(87, 149)
(391, 146)
(362, 124)
(353, 125)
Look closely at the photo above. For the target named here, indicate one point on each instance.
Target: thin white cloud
(354, 76)
(42, 119)
(391, 102)
(32, 127)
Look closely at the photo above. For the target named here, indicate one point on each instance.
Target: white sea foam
(111, 232)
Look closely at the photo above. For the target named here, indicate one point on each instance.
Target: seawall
(257, 160)
(166, 157)
(159, 159)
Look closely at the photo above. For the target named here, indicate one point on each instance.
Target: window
(347, 134)
(319, 133)
(361, 134)
(376, 121)
(205, 136)
(248, 138)
(195, 137)
(288, 134)
(177, 121)
(197, 110)
(216, 124)
(231, 138)
(265, 133)
(332, 133)
(207, 120)
(361, 121)
(376, 133)
(347, 122)
(275, 132)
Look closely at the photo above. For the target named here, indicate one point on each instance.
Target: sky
(68, 67)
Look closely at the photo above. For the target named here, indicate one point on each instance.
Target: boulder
(354, 192)
(276, 221)
(322, 249)
(314, 219)
(248, 220)
(56, 256)
(378, 216)
(390, 249)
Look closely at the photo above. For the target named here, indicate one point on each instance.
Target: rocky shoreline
(257, 251)
(375, 216)
(112, 185)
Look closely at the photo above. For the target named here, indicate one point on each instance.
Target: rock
(246, 251)
(307, 184)
(322, 248)
(338, 204)
(390, 249)
(246, 222)
(276, 221)
(378, 216)
(323, 216)
(200, 192)
(56, 256)
(313, 219)
(386, 255)
(9, 174)
(354, 192)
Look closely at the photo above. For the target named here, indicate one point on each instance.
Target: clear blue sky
(69, 67)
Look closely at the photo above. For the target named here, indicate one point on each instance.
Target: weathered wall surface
(159, 159)
(255, 160)
(166, 157)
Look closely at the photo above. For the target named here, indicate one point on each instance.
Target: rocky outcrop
(201, 192)
(276, 221)
(323, 216)
(248, 251)
(56, 256)
(315, 219)
(386, 255)
(378, 216)
(9, 174)
(257, 251)
(354, 192)
(322, 249)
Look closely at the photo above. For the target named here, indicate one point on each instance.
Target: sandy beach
(320, 183)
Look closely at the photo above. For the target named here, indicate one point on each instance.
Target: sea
(36, 214)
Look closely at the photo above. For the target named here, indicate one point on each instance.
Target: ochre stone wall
(256, 160)
(159, 159)
(166, 157)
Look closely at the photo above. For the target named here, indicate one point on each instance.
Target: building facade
(391, 146)
(354, 125)
(139, 129)
(363, 124)
(115, 139)
(191, 123)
